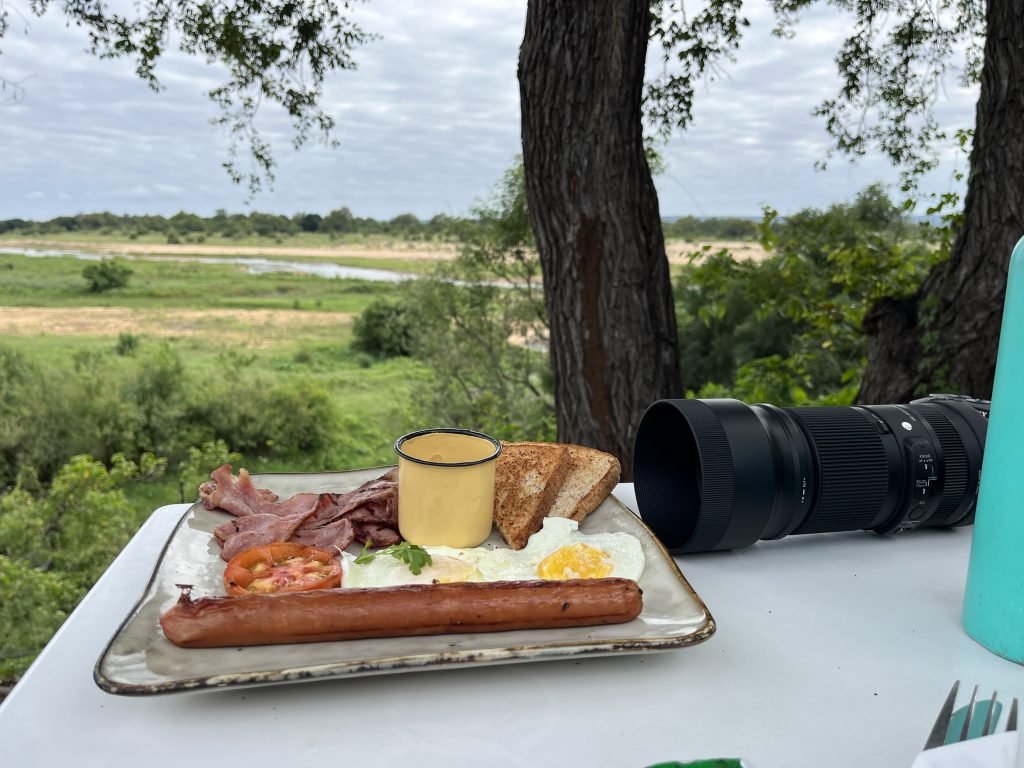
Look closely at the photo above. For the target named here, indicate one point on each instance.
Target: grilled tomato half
(281, 567)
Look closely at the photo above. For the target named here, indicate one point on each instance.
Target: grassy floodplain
(220, 321)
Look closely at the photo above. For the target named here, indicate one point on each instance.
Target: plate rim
(522, 652)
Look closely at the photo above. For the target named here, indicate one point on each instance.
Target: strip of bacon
(325, 520)
(339, 534)
(235, 495)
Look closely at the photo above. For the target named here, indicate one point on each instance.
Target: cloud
(755, 141)
(427, 124)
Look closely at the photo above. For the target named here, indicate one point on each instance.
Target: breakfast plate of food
(278, 578)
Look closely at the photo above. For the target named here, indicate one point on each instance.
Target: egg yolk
(575, 561)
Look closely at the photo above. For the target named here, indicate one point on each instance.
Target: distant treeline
(189, 226)
(231, 225)
(728, 228)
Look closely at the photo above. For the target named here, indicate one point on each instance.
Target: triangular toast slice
(527, 480)
(592, 476)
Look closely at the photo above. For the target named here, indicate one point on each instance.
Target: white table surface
(832, 650)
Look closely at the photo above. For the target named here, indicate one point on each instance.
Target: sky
(427, 124)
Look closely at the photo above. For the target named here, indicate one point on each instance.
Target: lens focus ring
(853, 469)
(954, 476)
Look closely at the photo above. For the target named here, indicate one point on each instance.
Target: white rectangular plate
(140, 660)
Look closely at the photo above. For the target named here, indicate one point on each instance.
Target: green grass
(56, 350)
(393, 264)
(57, 282)
(165, 291)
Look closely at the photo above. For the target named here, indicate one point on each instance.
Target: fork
(938, 735)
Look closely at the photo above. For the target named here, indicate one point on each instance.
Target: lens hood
(702, 471)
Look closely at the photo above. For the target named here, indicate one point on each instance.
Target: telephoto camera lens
(720, 474)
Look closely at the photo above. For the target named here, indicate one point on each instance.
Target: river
(253, 265)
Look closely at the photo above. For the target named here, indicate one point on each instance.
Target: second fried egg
(557, 551)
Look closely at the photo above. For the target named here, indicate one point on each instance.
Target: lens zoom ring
(854, 472)
(718, 478)
(954, 476)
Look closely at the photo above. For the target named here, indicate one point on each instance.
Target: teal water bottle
(994, 597)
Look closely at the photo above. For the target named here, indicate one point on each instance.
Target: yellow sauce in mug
(440, 503)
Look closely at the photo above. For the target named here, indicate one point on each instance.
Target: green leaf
(414, 556)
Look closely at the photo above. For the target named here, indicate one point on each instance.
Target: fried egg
(557, 551)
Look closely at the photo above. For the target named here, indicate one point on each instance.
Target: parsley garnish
(412, 555)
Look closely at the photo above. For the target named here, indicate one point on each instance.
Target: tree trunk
(946, 337)
(594, 212)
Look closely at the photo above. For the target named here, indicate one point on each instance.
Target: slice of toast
(592, 476)
(528, 477)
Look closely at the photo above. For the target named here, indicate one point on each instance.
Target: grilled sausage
(420, 609)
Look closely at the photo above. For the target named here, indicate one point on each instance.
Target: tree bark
(595, 217)
(946, 336)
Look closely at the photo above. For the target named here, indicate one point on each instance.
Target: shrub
(33, 605)
(386, 329)
(106, 275)
(788, 330)
(127, 343)
(25, 434)
(55, 545)
(155, 393)
(104, 404)
(259, 416)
